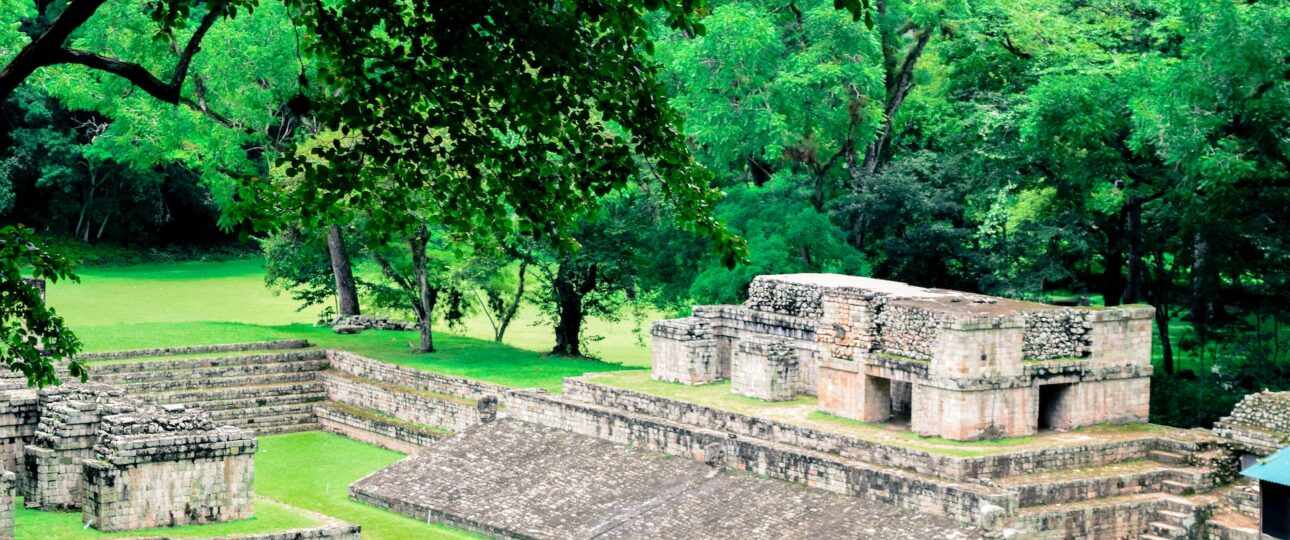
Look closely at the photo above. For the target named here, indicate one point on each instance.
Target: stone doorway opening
(901, 398)
(1052, 405)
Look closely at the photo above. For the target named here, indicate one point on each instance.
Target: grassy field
(191, 303)
(313, 470)
(310, 470)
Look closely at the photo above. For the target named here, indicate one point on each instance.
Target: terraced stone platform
(514, 479)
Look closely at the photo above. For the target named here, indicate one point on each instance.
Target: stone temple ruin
(960, 366)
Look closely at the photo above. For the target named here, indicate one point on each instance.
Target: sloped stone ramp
(517, 480)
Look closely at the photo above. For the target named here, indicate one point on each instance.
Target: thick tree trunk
(570, 289)
(1112, 280)
(346, 290)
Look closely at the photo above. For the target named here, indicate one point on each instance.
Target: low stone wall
(406, 404)
(326, 532)
(687, 352)
(917, 461)
(1126, 519)
(388, 434)
(197, 349)
(962, 502)
(765, 369)
(163, 468)
(422, 380)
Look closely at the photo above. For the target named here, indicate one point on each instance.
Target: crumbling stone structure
(65, 437)
(964, 366)
(8, 499)
(1259, 425)
(163, 467)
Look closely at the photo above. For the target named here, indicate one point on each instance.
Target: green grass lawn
(194, 303)
(313, 470)
(270, 516)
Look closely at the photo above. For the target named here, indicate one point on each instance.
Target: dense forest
(1119, 151)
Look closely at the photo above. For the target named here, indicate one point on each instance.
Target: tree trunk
(346, 290)
(1112, 281)
(1133, 285)
(427, 296)
(1160, 298)
(569, 292)
(504, 319)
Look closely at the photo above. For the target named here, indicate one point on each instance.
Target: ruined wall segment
(167, 467)
(978, 364)
(1259, 424)
(70, 417)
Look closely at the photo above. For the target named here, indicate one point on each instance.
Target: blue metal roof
(1275, 468)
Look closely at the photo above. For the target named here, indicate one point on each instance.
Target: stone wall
(409, 403)
(167, 467)
(765, 369)
(1058, 333)
(1094, 454)
(774, 296)
(19, 416)
(1259, 424)
(959, 501)
(908, 331)
(68, 430)
(416, 378)
(388, 433)
(687, 352)
(8, 503)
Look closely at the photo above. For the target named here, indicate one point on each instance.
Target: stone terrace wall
(197, 349)
(963, 502)
(1260, 423)
(406, 404)
(168, 467)
(956, 468)
(798, 300)
(908, 330)
(423, 380)
(387, 433)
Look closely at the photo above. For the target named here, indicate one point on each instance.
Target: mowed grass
(270, 516)
(313, 470)
(196, 303)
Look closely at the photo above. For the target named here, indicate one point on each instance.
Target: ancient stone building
(65, 436)
(162, 467)
(961, 366)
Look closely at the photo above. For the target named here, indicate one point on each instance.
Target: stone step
(1151, 537)
(212, 396)
(282, 344)
(256, 423)
(1166, 530)
(254, 369)
(288, 428)
(1167, 457)
(262, 412)
(135, 365)
(1174, 487)
(1094, 518)
(251, 401)
(1128, 478)
(219, 382)
(374, 427)
(1181, 519)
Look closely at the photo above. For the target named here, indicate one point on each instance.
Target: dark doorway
(1052, 399)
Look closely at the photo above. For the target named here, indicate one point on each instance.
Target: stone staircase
(267, 387)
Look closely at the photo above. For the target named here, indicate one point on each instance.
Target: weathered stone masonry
(168, 467)
(964, 366)
(68, 430)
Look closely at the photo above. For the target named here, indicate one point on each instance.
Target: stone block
(765, 369)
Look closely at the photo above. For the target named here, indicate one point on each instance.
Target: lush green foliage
(34, 336)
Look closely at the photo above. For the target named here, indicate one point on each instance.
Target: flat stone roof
(538, 482)
(939, 300)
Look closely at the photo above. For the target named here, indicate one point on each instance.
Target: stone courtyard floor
(518, 479)
(804, 412)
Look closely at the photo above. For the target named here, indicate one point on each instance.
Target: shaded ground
(539, 482)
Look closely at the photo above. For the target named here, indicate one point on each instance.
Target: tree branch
(48, 49)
